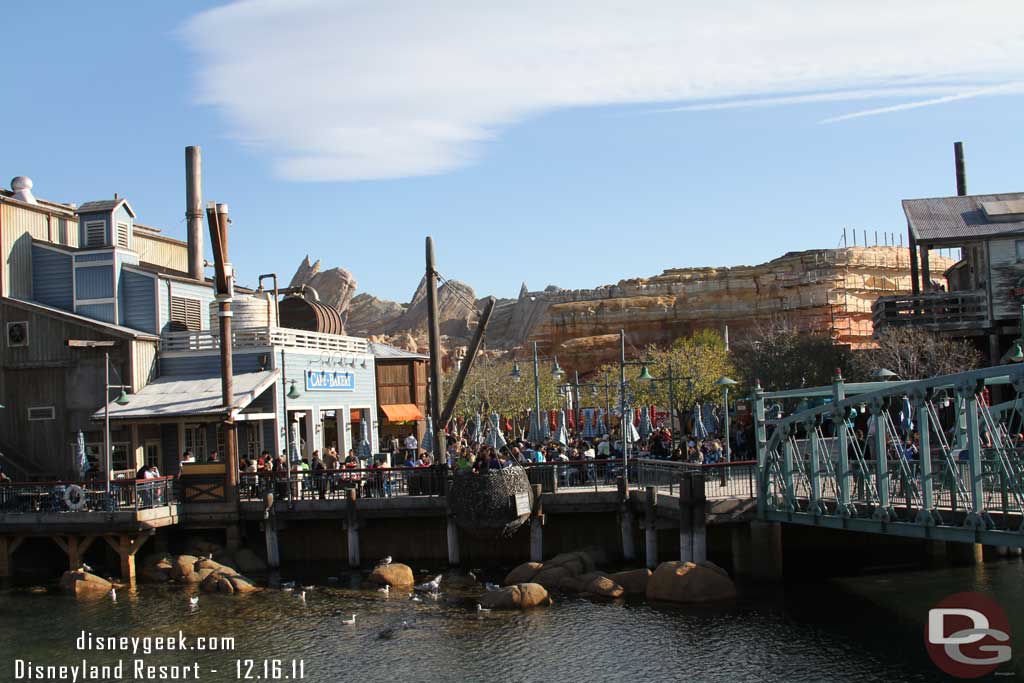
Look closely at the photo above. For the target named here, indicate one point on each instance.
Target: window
(122, 235)
(17, 333)
(1019, 247)
(120, 457)
(95, 233)
(153, 452)
(41, 413)
(186, 314)
(195, 441)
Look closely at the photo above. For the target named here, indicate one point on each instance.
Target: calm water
(863, 629)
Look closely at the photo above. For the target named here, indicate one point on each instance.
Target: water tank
(250, 310)
(300, 313)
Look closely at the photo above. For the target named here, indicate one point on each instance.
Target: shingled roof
(953, 220)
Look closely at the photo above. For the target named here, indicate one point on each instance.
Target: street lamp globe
(516, 374)
(644, 373)
(293, 391)
(556, 369)
(884, 374)
(123, 399)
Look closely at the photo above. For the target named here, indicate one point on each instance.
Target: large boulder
(242, 585)
(394, 574)
(157, 569)
(183, 567)
(248, 561)
(519, 596)
(689, 582)
(551, 577)
(524, 573)
(603, 587)
(82, 584)
(633, 581)
(212, 565)
(578, 584)
(575, 563)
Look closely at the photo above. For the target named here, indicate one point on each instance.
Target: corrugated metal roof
(387, 351)
(182, 396)
(955, 219)
(105, 205)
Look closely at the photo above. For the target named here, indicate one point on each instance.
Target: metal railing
(721, 480)
(384, 482)
(936, 310)
(259, 337)
(54, 496)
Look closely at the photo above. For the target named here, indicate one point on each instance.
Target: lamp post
(516, 375)
(644, 374)
(884, 374)
(725, 383)
(121, 400)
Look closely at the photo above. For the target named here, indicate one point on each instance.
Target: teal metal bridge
(965, 484)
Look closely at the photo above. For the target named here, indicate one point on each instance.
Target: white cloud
(368, 89)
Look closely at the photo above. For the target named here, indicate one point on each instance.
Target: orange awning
(401, 412)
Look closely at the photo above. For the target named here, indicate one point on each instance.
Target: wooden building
(401, 391)
(985, 287)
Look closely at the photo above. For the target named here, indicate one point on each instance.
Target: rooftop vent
(22, 186)
(1009, 211)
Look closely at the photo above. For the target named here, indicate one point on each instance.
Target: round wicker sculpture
(485, 504)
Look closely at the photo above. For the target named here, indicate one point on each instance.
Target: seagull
(302, 596)
(209, 556)
(113, 594)
(472, 575)
(193, 601)
(481, 608)
(287, 584)
(492, 586)
(86, 568)
(386, 560)
(385, 589)
(349, 622)
(416, 598)
(308, 588)
(430, 586)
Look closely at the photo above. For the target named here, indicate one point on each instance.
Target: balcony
(936, 311)
(254, 337)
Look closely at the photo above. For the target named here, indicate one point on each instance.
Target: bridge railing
(89, 497)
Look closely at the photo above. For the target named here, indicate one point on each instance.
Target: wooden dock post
(626, 522)
(126, 546)
(698, 501)
(453, 541)
(270, 534)
(650, 528)
(685, 519)
(7, 547)
(537, 525)
(352, 524)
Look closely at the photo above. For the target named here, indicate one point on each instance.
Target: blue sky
(534, 147)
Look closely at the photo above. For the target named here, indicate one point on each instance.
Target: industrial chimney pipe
(961, 170)
(194, 210)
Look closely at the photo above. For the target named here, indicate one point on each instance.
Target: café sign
(330, 380)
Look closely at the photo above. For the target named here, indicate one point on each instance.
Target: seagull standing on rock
(386, 560)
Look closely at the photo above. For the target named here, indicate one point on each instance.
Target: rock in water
(82, 584)
(394, 574)
(519, 596)
(523, 573)
(603, 587)
(183, 567)
(634, 581)
(689, 582)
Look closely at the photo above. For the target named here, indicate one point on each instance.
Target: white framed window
(40, 413)
(95, 233)
(195, 440)
(153, 452)
(122, 235)
(186, 314)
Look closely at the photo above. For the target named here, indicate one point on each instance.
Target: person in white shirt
(411, 445)
(603, 448)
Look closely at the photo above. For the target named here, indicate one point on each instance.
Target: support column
(975, 487)
(270, 535)
(965, 554)
(626, 522)
(7, 547)
(699, 516)
(453, 541)
(650, 527)
(839, 418)
(352, 525)
(881, 461)
(685, 518)
(126, 547)
(537, 525)
(742, 558)
(233, 537)
(766, 549)
(925, 460)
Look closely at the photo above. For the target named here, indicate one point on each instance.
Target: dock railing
(89, 497)
(721, 480)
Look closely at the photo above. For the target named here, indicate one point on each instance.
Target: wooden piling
(650, 527)
(685, 518)
(270, 534)
(537, 525)
(127, 546)
(7, 547)
(698, 502)
(352, 525)
(626, 522)
(453, 542)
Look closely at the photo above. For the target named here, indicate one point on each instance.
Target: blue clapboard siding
(102, 312)
(137, 296)
(88, 218)
(121, 215)
(51, 278)
(208, 365)
(188, 290)
(94, 256)
(94, 282)
(269, 434)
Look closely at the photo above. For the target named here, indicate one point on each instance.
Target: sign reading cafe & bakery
(330, 380)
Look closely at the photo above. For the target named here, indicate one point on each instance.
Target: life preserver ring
(74, 497)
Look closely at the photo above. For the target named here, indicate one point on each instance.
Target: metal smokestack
(961, 170)
(194, 210)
